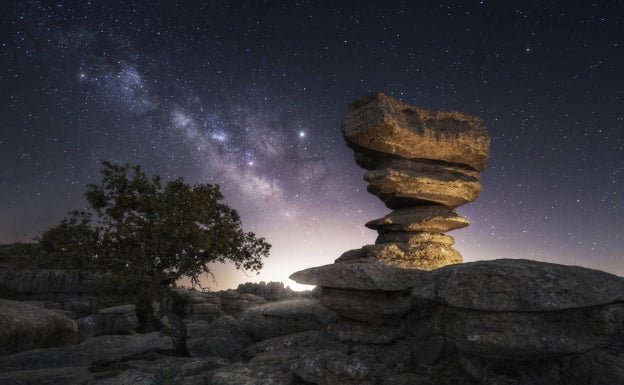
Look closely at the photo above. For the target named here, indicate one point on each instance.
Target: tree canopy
(152, 233)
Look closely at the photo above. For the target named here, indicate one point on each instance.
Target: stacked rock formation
(422, 164)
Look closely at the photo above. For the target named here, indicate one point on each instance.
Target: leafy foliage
(68, 245)
(151, 234)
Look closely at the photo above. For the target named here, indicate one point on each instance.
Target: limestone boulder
(522, 285)
(329, 368)
(425, 218)
(164, 371)
(269, 361)
(596, 367)
(234, 303)
(42, 281)
(372, 307)
(451, 187)
(101, 350)
(379, 123)
(25, 326)
(285, 317)
(284, 342)
(526, 335)
(520, 309)
(421, 256)
(202, 312)
(349, 331)
(362, 274)
(414, 238)
(71, 375)
(358, 364)
(196, 305)
(113, 320)
(223, 337)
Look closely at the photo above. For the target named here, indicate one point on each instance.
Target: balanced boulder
(422, 164)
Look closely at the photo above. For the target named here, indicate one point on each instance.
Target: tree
(69, 245)
(152, 235)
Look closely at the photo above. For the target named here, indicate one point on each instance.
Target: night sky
(250, 95)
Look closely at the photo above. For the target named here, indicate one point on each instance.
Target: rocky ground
(491, 322)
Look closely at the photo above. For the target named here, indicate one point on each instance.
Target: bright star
(302, 134)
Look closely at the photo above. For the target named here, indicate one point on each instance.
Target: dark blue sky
(250, 95)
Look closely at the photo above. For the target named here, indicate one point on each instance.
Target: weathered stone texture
(422, 164)
(382, 124)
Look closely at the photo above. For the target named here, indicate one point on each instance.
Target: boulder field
(503, 321)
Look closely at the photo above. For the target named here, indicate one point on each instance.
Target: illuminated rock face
(422, 164)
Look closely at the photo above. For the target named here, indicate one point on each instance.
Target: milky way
(250, 95)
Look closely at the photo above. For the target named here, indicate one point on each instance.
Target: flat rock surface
(285, 317)
(363, 274)
(380, 123)
(98, 349)
(524, 285)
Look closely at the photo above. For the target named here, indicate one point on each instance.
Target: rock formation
(491, 320)
(24, 326)
(113, 320)
(422, 164)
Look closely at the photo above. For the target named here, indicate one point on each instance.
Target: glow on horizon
(325, 241)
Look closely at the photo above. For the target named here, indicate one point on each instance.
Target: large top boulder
(381, 124)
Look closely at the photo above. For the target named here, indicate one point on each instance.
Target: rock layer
(422, 164)
(508, 309)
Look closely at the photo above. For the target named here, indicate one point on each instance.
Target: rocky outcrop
(198, 306)
(70, 291)
(24, 327)
(234, 304)
(165, 371)
(42, 281)
(422, 164)
(222, 337)
(100, 350)
(112, 320)
(285, 317)
(473, 318)
(520, 309)
(491, 322)
(271, 291)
